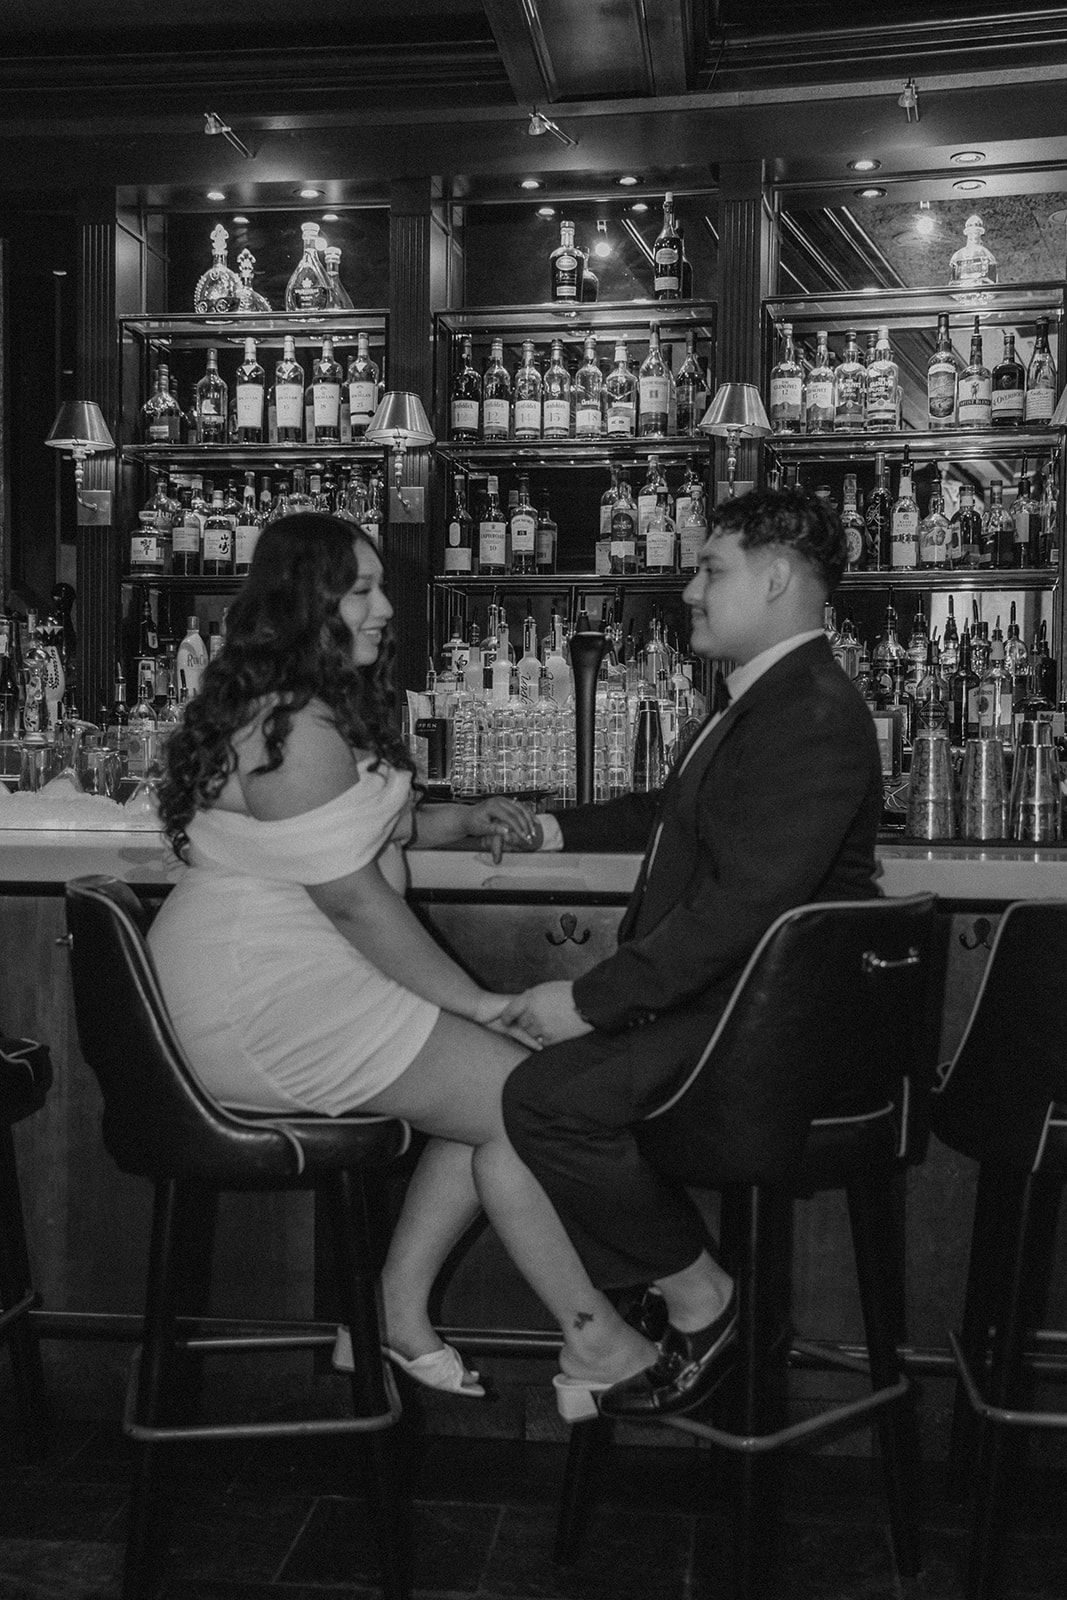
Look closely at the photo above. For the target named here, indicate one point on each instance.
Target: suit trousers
(574, 1113)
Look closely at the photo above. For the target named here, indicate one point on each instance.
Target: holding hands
(546, 1013)
(500, 824)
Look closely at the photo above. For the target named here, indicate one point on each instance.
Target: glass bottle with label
(878, 515)
(546, 538)
(967, 523)
(691, 389)
(904, 521)
(607, 503)
(465, 404)
(787, 387)
(289, 394)
(217, 552)
(950, 642)
(247, 529)
(161, 415)
(692, 529)
(972, 265)
(935, 532)
(883, 387)
(1040, 378)
(588, 394)
(523, 530)
(667, 256)
(1017, 659)
(251, 385)
(819, 389)
(251, 299)
(308, 288)
(649, 494)
(654, 386)
(326, 379)
(185, 537)
(492, 535)
(374, 509)
(496, 395)
(850, 388)
(1008, 387)
(854, 526)
(998, 531)
(661, 540)
(565, 266)
(340, 299)
(362, 380)
(941, 370)
(1026, 517)
(620, 397)
(888, 658)
(528, 395)
(996, 717)
(963, 696)
(459, 535)
(211, 404)
(150, 539)
(557, 395)
(974, 404)
(219, 288)
(691, 481)
(623, 550)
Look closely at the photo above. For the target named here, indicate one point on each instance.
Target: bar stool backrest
(827, 1020)
(1005, 1090)
(158, 1121)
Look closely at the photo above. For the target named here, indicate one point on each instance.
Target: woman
(297, 977)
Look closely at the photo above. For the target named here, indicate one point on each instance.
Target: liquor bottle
(528, 388)
(918, 640)
(691, 482)
(968, 525)
(607, 503)
(661, 539)
(667, 256)
(995, 696)
(974, 406)
(218, 290)
(185, 538)
(35, 668)
(590, 282)
(888, 658)
(819, 389)
(1050, 515)
(941, 371)
(340, 299)
(326, 378)
(546, 538)
(459, 538)
(251, 299)
(565, 266)
(1008, 387)
(648, 496)
(687, 265)
(211, 404)
(950, 642)
(972, 265)
(692, 530)
(998, 531)
(374, 510)
(850, 388)
(1016, 660)
(247, 529)
(588, 394)
(161, 415)
(308, 288)
(251, 386)
(150, 540)
(10, 692)
(289, 394)
(654, 387)
(691, 389)
(935, 531)
(787, 387)
(362, 380)
(930, 694)
(883, 387)
(523, 531)
(216, 560)
(492, 535)
(856, 537)
(878, 515)
(496, 395)
(1040, 378)
(620, 397)
(904, 521)
(191, 659)
(557, 395)
(623, 548)
(1026, 516)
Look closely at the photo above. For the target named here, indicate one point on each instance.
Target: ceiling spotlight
(908, 100)
(864, 164)
(869, 194)
(967, 158)
(540, 124)
(602, 248)
(310, 194)
(214, 125)
(215, 194)
(639, 205)
(531, 183)
(969, 185)
(241, 220)
(628, 180)
(59, 272)
(330, 216)
(546, 211)
(924, 222)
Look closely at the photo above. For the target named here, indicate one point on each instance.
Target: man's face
(728, 599)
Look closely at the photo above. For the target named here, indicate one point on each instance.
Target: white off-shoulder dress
(276, 1011)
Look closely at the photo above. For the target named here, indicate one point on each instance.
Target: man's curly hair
(790, 518)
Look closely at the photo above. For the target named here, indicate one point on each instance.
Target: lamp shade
(400, 421)
(80, 425)
(736, 409)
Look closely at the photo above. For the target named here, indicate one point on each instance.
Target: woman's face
(364, 609)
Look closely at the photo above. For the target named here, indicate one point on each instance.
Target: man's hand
(501, 824)
(546, 1012)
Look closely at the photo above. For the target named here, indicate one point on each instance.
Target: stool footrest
(19, 1309)
(764, 1443)
(1006, 1416)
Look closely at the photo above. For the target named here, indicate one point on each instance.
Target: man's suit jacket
(779, 805)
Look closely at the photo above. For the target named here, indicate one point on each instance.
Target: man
(775, 804)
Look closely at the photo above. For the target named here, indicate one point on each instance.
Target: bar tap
(587, 649)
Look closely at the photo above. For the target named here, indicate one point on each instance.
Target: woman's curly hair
(284, 637)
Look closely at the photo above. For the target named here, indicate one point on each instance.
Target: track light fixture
(908, 100)
(213, 124)
(540, 124)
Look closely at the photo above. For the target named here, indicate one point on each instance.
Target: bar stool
(1002, 1100)
(25, 1079)
(160, 1124)
(821, 1054)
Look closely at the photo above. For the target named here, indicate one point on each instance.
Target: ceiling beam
(520, 38)
(669, 30)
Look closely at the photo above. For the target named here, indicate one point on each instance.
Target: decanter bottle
(973, 264)
(340, 299)
(251, 299)
(219, 288)
(308, 289)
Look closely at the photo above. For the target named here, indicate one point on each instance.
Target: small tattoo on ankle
(582, 1318)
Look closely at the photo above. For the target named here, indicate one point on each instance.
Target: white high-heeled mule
(576, 1397)
(438, 1369)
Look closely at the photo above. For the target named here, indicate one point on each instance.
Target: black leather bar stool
(25, 1079)
(160, 1124)
(822, 1050)
(1002, 1100)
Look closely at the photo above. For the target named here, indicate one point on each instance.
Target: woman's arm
(486, 825)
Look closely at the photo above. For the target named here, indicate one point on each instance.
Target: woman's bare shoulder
(317, 763)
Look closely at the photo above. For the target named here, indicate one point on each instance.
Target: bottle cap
(192, 624)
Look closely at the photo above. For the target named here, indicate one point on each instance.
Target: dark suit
(778, 806)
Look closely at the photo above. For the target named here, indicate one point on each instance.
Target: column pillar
(748, 263)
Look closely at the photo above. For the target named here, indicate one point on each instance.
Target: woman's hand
(488, 1011)
(501, 824)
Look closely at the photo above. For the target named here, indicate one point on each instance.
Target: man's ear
(779, 572)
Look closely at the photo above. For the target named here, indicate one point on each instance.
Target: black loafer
(690, 1368)
(645, 1310)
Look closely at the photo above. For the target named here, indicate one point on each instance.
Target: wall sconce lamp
(400, 423)
(735, 413)
(81, 431)
(540, 124)
(214, 125)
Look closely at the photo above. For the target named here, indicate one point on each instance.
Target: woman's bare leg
(440, 1205)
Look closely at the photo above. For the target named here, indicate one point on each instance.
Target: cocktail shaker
(1036, 802)
(649, 763)
(931, 799)
(984, 793)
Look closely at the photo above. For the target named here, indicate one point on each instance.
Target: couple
(298, 978)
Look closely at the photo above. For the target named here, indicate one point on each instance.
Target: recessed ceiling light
(628, 180)
(969, 185)
(925, 224)
(59, 272)
(215, 194)
(602, 248)
(546, 211)
(310, 194)
(531, 183)
(241, 219)
(967, 158)
(865, 164)
(869, 194)
(639, 205)
(330, 216)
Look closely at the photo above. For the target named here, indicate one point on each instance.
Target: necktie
(720, 694)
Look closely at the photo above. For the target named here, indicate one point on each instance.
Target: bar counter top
(41, 861)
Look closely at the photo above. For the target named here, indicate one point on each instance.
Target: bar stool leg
(977, 1320)
(345, 1203)
(588, 1443)
(879, 1283)
(15, 1283)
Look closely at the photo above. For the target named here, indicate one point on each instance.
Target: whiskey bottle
(623, 549)
(819, 389)
(459, 537)
(247, 529)
(667, 256)
(565, 266)
(251, 385)
(496, 395)
(972, 265)
(308, 288)
(998, 531)
(648, 495)
(878, 515)
(974, 406)
(963, 696)
(620, 397)
(211, 404)
(787, 387)
(546, 538)
(523, 530)
(692, 529)
(935, 533)
(1016, 660)
(950, 642)
(492, 535)
(216, 559)
(161, 415)
(362, 380)
(340, 299)
(856, 538)
(691, 389)
(557, 395)
(289, 394)
(1008, 387)
(607, 504)
(326, 378)
(186, 535)
(654, 384)
(850, 388)
(968, 525)
(588, 394)
(941, 370)
(1026, 517)
(1040, 378)
(904, 522)
(528, 388)
(661, 541)
(883, 387)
